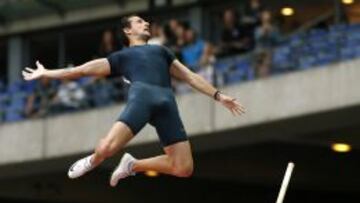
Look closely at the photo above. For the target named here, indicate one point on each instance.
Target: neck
(136, 42)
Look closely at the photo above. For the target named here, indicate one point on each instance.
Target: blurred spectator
(103, 92)
(263, 63)
(70, 96)
(157, 34)
(267, 34)
(107, 44)
(174, 33)
(252, 13)
(39, 101)
(193, 51)
(198, 56)
(235, 39)
(169, 31)
(207, 64)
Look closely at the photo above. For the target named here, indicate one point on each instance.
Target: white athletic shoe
(123, 170)
(80, 167)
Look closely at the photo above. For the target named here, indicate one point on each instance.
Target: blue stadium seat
(324, 58)
(241, 71)
(223, 65)
(18, 101)
(296, 39)
(307, 62)
(13, 115)
(14, 87)
(338, 28)
(353, 27)
(29, 86)
(2, 115)
(347, 53)
(102, 93)
(4, 100)
(357, 51)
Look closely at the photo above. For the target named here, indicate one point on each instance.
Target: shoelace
(87, 163)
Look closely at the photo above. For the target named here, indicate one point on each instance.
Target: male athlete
(151, 100)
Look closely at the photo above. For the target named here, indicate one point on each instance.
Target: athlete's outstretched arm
(97, 67)
(181, 72)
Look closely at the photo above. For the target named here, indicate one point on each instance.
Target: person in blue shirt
(149, 68)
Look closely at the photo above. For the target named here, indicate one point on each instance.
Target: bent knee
(183, 171)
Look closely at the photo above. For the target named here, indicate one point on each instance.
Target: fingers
(239, 107)
(39, 65)
(29, 70)
(239, 111)
(26, 75)
(236, 110)
(233, 111)
(242, 109)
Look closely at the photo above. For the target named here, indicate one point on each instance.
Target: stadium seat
(307, 62)
(12, 115)
(240, 71)
(282, 59)
(4, 100)
(102, 93)
(223, 65)
(14, 87)
(347, 53)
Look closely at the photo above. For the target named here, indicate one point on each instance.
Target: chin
(146, 36)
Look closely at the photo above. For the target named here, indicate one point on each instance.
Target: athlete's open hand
(32, 74)
(230, 103)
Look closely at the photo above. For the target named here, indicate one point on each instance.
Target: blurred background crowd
(250, 41)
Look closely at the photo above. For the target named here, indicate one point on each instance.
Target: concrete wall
(267, 100)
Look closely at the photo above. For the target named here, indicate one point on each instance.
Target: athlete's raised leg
(176, 161)
(118, 136)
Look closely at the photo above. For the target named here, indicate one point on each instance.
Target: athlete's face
(138, 27)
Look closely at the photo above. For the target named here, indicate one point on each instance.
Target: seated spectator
(70, 96)
(235, 39)
(107, 44)
(38, 102)
(157, 34)
(267, 34)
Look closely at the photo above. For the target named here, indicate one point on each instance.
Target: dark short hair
(125, 23)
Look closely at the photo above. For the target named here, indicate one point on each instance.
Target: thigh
(180, 153)
(135, 115)
(169, 126)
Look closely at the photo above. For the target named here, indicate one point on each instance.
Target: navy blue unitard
(151, 99)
